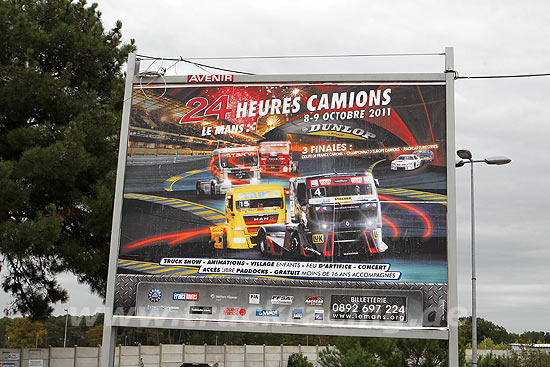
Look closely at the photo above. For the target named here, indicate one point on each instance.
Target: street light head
(498, 160)
(460, 163)
(464, 154)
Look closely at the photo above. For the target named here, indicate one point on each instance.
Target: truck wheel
(294, 250)
(262, 242)
(209, 250)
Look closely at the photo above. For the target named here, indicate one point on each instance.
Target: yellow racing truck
(247, 208)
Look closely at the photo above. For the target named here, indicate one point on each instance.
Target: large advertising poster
(301, 204)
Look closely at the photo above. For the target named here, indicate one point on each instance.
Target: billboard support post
(109, 331)
(452, 290)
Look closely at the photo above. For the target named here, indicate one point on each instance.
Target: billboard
(298, 206)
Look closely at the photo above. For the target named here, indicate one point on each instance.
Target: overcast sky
(493, 117)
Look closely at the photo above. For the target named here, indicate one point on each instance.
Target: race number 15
(218, 109)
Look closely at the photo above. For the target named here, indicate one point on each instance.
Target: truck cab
(230, 167)
(247, 208)
(336, 215)
(276, 157)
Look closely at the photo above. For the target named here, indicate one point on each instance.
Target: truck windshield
(249, 159)
(405, 158)
(260, 203)
(280, 149)
(340, 190)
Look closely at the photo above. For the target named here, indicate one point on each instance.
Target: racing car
(406, 162)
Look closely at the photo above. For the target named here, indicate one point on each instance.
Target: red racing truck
(230, 166)
(276, 157)
(332, 216)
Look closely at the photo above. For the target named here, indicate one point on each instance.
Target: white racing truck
(230, 167)
(332, 216)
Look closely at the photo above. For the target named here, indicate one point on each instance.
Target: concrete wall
(173, 355)
(164, 355)
(483, 352)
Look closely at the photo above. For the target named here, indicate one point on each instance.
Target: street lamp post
(466, 157)
(66, 322)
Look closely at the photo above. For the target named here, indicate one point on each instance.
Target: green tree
(94, 335)
(535, 337)
(526, 357)
(489, 344)
(363, 352)
(424, 352)
(384, 352)
(25, 333)
(4, 322)
(490, 360)
(485, 329)
(298, 360)
(61, 89)
(55, 325)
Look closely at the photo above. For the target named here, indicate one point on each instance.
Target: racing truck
(275, 157)
(230, 166)
(247, 208)
(331, 216)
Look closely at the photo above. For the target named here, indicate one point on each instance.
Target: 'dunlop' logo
(154, 295)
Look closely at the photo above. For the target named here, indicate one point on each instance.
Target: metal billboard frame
(450, 333)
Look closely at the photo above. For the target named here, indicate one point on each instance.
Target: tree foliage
(485, 329)
(61, 89)
(298, 360)
(491, 345)
(24, 333)
(95, 335)
(363, 352)
(489, 360)
(525, 357)
(382, 352)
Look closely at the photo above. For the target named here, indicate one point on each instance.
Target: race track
(160, 200)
